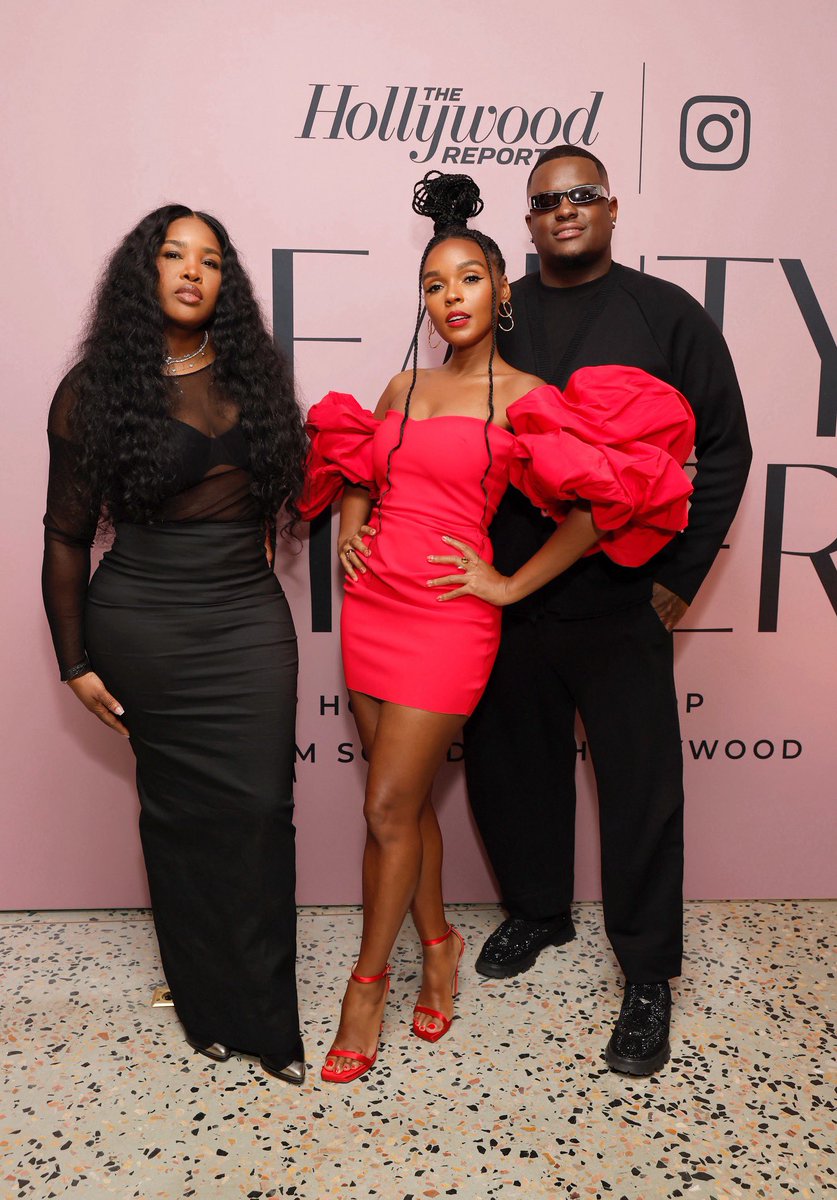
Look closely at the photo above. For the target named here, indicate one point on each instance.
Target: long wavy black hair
(123, 397)
(450, 201)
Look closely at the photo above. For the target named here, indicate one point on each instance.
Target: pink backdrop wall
(113, 108)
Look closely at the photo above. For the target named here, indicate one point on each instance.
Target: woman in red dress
(420, 481)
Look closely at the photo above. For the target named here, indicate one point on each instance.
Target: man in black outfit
(598, 639)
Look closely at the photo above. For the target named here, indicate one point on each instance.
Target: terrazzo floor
(102, 1098)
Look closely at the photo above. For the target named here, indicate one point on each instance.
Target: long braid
(412, 386)
(482, 242)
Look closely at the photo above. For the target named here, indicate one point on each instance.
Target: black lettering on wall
(772, 548)
(822, 338)
(716, 279)
(319, 545)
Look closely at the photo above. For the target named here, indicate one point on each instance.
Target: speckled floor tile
(102, 1098)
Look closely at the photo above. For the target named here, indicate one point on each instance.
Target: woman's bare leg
(366, 710)
(427, 908)
(439, 962)
(405, 749)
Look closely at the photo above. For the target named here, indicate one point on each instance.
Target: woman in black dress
(178, 425)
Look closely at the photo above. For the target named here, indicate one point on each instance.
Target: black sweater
(636, 320)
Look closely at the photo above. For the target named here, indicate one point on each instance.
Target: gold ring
(465, 562)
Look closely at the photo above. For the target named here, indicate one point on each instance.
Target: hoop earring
(431, 329)
(505, 311)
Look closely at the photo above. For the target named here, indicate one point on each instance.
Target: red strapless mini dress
(616, 437)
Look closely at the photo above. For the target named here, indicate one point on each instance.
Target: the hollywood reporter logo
(441, 125)
(715, 133)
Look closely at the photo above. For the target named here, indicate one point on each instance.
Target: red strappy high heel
(430, 1033)
(364, 1061)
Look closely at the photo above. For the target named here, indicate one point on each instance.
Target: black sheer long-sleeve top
(210, 482)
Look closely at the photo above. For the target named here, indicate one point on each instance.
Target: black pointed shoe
(289, 1072)
(639, 1044)
(514, 946)
(214, 1050)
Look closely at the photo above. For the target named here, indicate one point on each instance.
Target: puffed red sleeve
(341, 433)
(617, 438)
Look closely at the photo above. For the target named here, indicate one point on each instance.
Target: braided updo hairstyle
(450, 201)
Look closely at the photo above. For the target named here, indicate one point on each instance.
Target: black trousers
(191, 631)
(520, 761)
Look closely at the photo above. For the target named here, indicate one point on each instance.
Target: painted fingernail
(119, 710)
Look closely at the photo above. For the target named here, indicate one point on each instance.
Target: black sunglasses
(586, 193)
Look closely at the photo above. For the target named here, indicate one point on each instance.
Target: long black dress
(190, 630)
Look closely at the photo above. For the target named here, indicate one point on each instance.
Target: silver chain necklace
(185, 357)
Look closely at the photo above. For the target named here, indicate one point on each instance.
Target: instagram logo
(715, 133)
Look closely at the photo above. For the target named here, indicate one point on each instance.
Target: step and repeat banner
(304, 129)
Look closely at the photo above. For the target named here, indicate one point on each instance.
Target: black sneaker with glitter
(640, 1045)
(515, 945)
